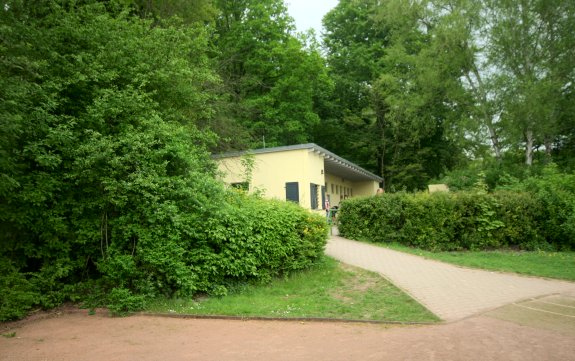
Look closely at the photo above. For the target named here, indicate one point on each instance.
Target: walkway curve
(451, 292)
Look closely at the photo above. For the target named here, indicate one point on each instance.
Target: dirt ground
(75, 335)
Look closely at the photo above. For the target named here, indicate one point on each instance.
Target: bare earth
(75, 335)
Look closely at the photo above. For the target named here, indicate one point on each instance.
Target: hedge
(247, 240)
(463, 220)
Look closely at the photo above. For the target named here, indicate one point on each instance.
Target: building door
(322, 197)
(313, 195)
(292, 192)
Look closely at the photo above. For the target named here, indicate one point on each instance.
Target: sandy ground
(75, 335)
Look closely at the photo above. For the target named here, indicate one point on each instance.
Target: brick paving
(451, 292)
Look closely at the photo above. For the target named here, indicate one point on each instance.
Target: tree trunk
(547, 149)
(494, 140)
(381, 124)
(529, 147)
(479, 90)
(381, 166)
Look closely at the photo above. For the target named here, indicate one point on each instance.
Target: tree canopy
(425, 87)
(108, 187)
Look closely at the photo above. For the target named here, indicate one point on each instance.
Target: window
(292, 191)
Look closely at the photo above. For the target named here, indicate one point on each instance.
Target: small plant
(122, 301)
(9, 334)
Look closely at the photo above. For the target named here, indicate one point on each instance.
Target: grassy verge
(328, 290)
(560, 265)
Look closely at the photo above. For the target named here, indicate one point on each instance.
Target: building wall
(316, 176)
(271, 172)
(339, 188)
(366, 188)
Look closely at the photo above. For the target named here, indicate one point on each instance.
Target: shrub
(430, 221)
(17, 295)
(122, 301)
(536, 214)
(524, 218)
(478, 223)
(108, 191)
(256, 239)
(376, 218)
(555, 193)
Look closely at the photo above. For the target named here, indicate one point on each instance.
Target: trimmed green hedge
(464, 220)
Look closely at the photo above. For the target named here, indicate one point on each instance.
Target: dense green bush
(108, 193)
(17, 294)
(538, 213)
(256, 239)
(554, 192)
(420, 216)
(248, 239)
(524, 219)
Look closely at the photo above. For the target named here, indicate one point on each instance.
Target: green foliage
(524, 219)
(108, 191)
(421, 214)
(478, 221)
(531, 43)
(554, 192)
(273, 78)
(18, 295)
(363, 217)
(122, 301)
(397, 90)
(255, 239)
(537, 214)
(423, 86)
(326, 290)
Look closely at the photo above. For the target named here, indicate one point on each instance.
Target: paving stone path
(451, 292)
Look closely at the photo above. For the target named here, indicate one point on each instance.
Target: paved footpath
(451, 292)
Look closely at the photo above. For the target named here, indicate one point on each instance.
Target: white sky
(308, 13)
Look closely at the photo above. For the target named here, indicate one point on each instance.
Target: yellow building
(305, 173)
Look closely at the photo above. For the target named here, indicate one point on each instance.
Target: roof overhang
(333, 164)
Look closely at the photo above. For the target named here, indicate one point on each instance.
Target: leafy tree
(109, 193)
(531, 44)
(401, 95)
(103, 164)
(354, 46)
(271, 76)
(188, 10)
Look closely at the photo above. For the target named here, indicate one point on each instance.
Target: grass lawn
(327, 290)
(560, 265)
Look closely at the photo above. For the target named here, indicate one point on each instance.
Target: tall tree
(189, 11)
(401, 102)
(271, 75)
(532, 45)
(103, 169)
(354, 47)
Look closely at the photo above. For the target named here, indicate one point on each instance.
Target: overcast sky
(308, 13)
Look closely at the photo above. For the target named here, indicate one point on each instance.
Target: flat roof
(333, 163)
